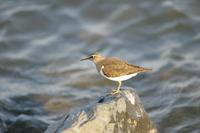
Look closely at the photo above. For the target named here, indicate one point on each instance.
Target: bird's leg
(118, 88)
(120, 83)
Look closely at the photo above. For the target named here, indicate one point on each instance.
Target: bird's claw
(114, 92)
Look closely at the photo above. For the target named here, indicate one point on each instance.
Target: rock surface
(122, 113)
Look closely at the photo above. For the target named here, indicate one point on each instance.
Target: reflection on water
(41, 43)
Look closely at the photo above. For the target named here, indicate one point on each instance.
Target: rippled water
(41, 43)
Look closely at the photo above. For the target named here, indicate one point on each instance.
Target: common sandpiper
(115, 69)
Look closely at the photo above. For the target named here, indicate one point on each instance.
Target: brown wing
(114, 67)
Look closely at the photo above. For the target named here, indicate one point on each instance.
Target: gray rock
(123, 113)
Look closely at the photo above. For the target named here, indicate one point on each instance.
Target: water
(41, 43)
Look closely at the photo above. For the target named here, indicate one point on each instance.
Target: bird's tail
(145, 69)
(140, 69)
(148, 69)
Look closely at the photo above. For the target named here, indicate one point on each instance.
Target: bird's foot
(114, 92)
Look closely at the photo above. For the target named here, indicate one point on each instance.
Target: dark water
(41, 43)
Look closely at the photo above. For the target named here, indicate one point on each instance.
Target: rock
(123, 113)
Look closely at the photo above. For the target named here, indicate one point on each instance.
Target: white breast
(120, 78)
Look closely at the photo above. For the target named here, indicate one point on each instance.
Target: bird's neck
(97, 60)
(98, 64)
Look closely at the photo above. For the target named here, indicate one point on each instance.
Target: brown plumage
(114, 67)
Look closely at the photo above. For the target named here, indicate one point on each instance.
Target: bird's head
(94, 57)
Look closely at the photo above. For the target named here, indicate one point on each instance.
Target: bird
(115, 69)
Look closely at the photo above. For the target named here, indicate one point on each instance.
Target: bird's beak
(87, 58)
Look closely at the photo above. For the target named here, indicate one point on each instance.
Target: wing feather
(114, 67)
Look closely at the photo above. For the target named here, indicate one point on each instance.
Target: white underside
(120, 78)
